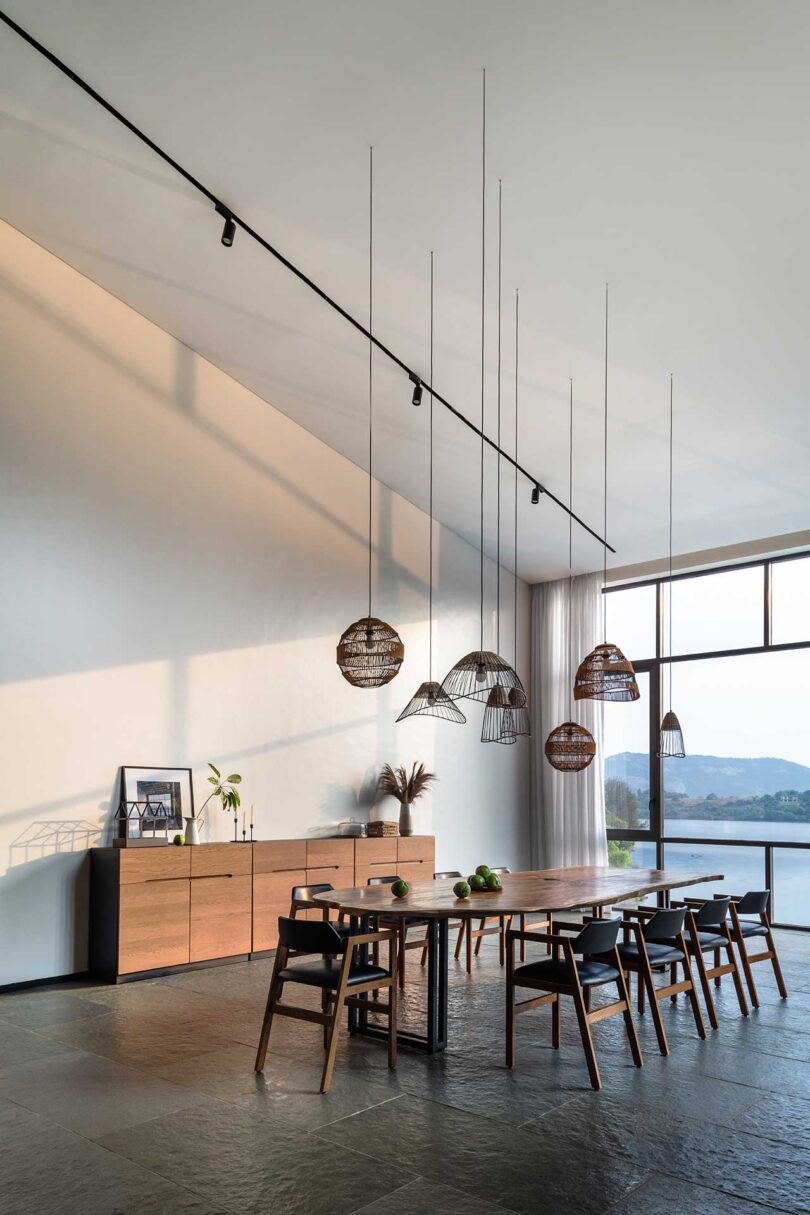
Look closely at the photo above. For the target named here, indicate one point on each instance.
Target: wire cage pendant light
(570, 747)
(430, 699)
(370, 652)
(605, 674)
(670, 736)
(499, 723)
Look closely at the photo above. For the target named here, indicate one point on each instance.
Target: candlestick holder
(251, 833)
(235, 835)
(244, 841)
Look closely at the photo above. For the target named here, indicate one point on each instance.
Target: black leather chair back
(754, 902)
(309, 936)
(713, 913)
(448, 873)
(384, 881)
(598, 936)
(664, 925)
(303, 894)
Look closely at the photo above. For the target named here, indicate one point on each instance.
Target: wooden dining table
(588, 887)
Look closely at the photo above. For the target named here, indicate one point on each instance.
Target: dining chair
(302, 899)
(566, 975)
(340, 983)
(744, 929)
(487, 926)
(708, 932)
(654, 942)
(452, 925)
(400, 925)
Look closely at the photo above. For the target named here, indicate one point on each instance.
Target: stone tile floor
(142, 1098)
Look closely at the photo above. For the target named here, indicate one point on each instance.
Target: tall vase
(192, 830)
(405, 820)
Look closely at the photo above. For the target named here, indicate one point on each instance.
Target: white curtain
(567, 808)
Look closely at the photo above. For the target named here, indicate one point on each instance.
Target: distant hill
(699, 775)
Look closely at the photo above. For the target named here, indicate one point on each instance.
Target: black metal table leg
(435, 1039)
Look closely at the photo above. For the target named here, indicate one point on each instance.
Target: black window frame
(656, 832)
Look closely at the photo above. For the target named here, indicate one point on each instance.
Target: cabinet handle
(291, 869)
(166, 879)
(314, 867)
(207, 877)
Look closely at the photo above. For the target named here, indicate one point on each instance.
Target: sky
(752, 705)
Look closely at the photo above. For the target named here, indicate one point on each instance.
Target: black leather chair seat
(658, 952)
(753, 930)
(554, 970)
(711, 940)
(327, 974)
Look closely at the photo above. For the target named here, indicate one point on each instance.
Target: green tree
(621, 804)
(620, 853)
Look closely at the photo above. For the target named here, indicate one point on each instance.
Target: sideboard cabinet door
(220, 901)
(153, 924)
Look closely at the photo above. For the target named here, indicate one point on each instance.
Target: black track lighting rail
(233, 221)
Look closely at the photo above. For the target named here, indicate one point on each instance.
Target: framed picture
(154, 802)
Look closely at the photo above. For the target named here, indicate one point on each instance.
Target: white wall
(177, 563)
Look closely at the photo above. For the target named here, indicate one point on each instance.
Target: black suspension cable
(370, 356)
(498, 541)
(223, 209)
(430, 492)
(514, 564)
(670, 540)
(569, 664)
(483, 289)
(604, 517)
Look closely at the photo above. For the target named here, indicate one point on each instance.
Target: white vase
(192, 832)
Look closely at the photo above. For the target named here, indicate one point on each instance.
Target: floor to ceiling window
(738, 681)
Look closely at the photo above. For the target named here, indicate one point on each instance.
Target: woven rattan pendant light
(370, 652)
(570, 747)
(475, 675)
(430, 698)
(606, 674)
(670, 739)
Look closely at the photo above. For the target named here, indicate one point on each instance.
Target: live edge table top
(530, 891)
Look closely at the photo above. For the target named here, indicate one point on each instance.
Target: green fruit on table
(461, 890)
(483, 871)
(179, 840)
(493, 882)
(477, 882)
(400, 889)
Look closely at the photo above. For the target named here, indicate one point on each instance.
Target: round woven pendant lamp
(606, 675)
(431, 700)
(670, 739)
(570, 747)
(369, 653)
(499, 724)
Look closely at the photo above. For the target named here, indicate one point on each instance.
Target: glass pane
(716, 612)
(791, 880)
(630, 621)
(743, 868)
(790, 601)
(627, 763)
(632, 854)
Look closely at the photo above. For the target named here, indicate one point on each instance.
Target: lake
(744, 867)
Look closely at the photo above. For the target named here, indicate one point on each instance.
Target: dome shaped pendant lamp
(605, 674)
(475, 675)
(670, 739)
(570, 747)
(430, 699)
(370, 652)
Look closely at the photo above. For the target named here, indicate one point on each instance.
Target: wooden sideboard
(157, 909)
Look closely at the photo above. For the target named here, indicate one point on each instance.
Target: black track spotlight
(416, 399)
(535, 495)
(229, 227)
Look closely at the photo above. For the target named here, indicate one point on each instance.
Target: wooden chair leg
(629, 1023)
(642, 983)
(646, 979)
(325, 1009)
(402, 937)
(746, 965)
(423, 959)
(692, 993)
(469, 947)
(332, 1028)
(777, 968)
(273, 995)
(481, 927)
(522, 942)
(502, 939)
(585, 1034)
(735, 974)
(718, 979)
(706, 989)
(462, 932)
(556, 1022)
(673, 978)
